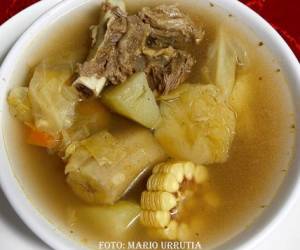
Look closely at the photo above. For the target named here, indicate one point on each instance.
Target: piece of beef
(131, 45)
(105, 63)
(120, 54)
(165, 73)
(143, 42)
(169, 27)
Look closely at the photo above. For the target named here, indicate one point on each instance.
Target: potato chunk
(134, 100)
(113, 221)
(106, 165)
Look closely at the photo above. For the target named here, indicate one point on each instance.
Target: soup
(190, 144)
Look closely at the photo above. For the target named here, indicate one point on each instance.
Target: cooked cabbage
(91, 117)
(197, 124)
(52, 99)
(222, 59)
(19, 104)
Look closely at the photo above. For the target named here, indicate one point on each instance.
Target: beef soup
(162, 122)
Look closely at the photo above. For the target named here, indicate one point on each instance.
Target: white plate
(15, 235)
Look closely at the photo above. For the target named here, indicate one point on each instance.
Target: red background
(284, 15)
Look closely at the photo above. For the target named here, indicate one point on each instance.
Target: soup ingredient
(197, 124)
(53, 101)
(127, 41)
(111, 220)
(160, 204)
(98, 31)
(106, 164)
(91, 116)
(40, 138)
(93, 85)
(169, 27)
(89, 86)
(242, 100)
(122, 43)
(19, 104)
(134, 100)
(168, 70)
(160, 200)
(223, 57)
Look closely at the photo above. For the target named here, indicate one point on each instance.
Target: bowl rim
(248, 240)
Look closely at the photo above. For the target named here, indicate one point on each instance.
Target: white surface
(15, 235)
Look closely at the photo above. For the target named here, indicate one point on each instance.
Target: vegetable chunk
(106, 165)
(41, 139)
(111, 220)
(19, 104)
(134, 100)
(161, 206)
(53, 100)
(221, 64)
(197, 124)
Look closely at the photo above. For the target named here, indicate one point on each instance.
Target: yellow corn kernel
(158, 201)
(175, 168)
(183, 232)
(162, 182)
(168, 233)
(158, 166)
(189, 170)
(201, 174)
(157, 219)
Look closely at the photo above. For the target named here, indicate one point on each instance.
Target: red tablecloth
(284, 15)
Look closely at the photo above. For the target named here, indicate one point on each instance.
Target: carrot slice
(40, 138)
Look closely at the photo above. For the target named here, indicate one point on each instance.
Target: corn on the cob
(175, 168)
(162, 182)
(168, 233)
(158, 219)
(163, 195)
(158, 201)
(201, 174)
(189, 170)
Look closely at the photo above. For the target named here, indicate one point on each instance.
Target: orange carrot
(40, 138)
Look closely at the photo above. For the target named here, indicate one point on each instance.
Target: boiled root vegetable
(106, 165)
(111, 220)
(40, 138)
(134, 100)
(166, 188)
(197, 124)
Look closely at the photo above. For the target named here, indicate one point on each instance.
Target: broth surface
(244, 186)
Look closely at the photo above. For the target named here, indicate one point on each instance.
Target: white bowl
(15, 62)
